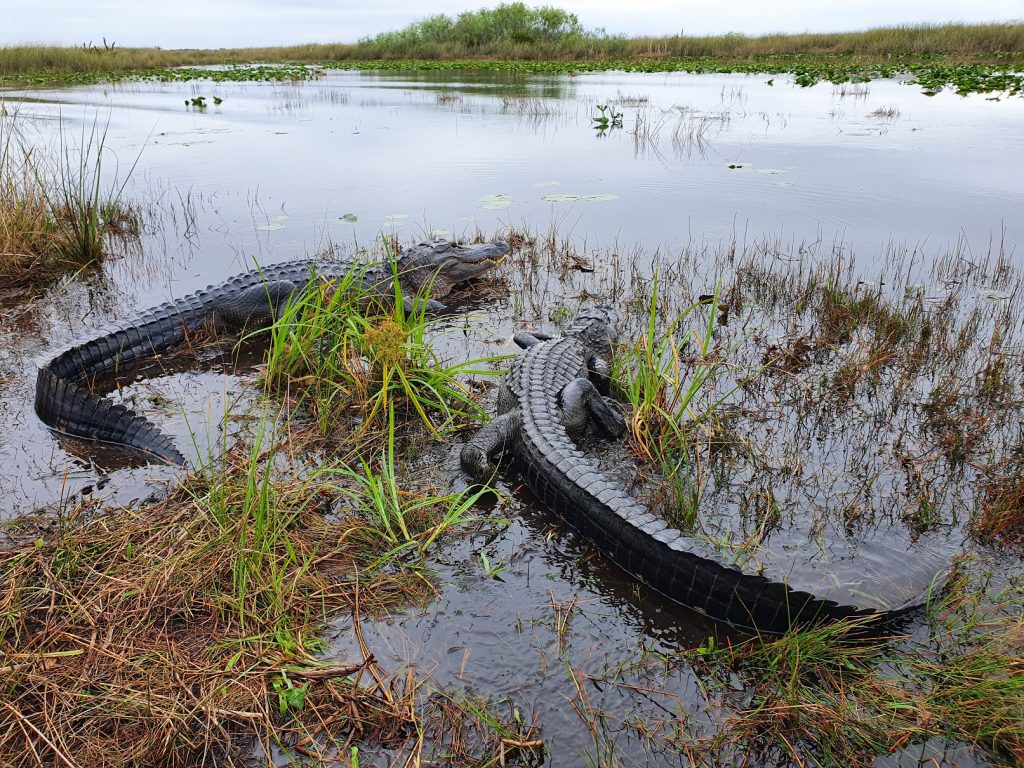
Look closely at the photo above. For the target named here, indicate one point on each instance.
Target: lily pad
(271, 227)
(351, 218)
(495, 202)
(600, 198)
(395, 219)
(546, 184)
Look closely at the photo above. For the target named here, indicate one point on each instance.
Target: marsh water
(878, 175)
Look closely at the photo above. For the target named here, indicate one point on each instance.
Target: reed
(353, 359)
(58, 212)
(426, 41)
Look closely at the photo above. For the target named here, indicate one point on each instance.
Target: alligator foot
(581, 401)
(526, 339)
(491, 438)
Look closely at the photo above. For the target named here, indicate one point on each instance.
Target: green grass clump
(662, 375)
(354, 360)
(56, 214)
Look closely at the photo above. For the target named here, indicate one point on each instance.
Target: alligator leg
(489, 439)
(412, 305)
(581, 400)
(259, 305)
(600, 372)
(525, 339)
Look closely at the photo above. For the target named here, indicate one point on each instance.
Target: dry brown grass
(1002, 517)
(126, 642)
(54, 217)
(188, 630)
(818, 697)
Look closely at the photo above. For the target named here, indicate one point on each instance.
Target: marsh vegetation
(323, 586)
(58, 212)
(514, 37)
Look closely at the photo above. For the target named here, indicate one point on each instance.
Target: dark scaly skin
(65, 404)
(530, 424)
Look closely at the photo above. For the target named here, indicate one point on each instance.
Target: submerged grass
(840, 694)
(1001, 517)
(57, 214)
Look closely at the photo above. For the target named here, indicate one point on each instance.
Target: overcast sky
(238, 23)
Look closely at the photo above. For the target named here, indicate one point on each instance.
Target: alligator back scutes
(572, 483)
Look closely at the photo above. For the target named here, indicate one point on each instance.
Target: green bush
(509, 22)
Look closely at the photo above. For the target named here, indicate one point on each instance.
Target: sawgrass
(58, 213)
(354, 360)
(957, 41)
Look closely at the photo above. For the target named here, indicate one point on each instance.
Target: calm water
(282, 171)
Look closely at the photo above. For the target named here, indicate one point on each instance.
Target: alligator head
(597, 327)
(441, 266)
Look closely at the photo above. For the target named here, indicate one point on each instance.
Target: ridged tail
(72, 410)
(65, 404)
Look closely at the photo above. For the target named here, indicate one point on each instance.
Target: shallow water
(700, 162)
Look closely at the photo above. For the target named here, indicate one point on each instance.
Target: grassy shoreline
(984, 57)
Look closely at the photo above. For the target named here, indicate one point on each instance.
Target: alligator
(65, 403)
(550, 393)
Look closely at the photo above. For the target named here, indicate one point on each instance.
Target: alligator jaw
(441, 266)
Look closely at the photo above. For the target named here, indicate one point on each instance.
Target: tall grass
(87, 210)
(959, 41)
(663, 375)
(58, 212)
(354, 360)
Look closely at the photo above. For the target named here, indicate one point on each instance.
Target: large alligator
(65, 403)
(548, 393)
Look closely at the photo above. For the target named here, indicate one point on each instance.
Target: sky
(240, 23)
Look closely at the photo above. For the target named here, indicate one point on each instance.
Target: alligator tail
(71, 409)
